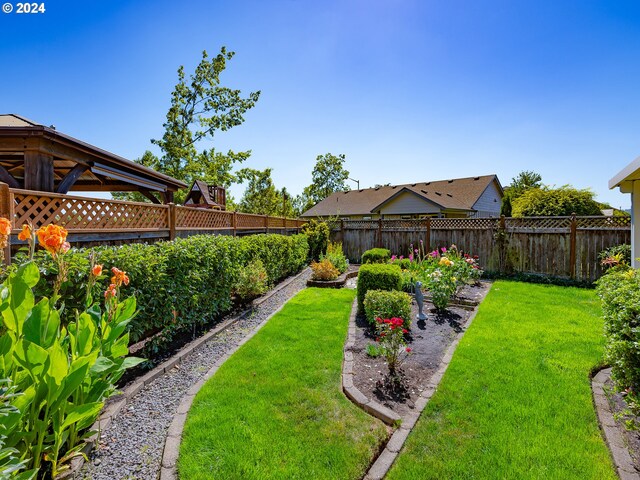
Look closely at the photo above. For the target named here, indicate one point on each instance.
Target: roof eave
(627, 174)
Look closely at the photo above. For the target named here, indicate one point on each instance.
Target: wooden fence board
(540, 245)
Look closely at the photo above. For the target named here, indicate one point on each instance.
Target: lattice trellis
(189, 218)
(538, 223)
(76, 213)
(245, 220)
(404, 225)
(464, 223)
(275, 222)
(360, 224)
(599, 223)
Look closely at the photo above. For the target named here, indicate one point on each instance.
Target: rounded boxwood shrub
(376, 255)
(387, 304)
(377, 276)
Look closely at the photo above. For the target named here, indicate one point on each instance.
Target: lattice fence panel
(404, 225)
(464, 223)
(538, 223)
(246, 220)
(275, 222)
(292, 223)
(361, 225)
(599, 223)
(76, 213)
(201, 218)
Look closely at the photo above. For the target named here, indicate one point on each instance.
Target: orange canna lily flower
(53, 238)
(25, 234)
(97, 270)
(119, 277)
(5, 227)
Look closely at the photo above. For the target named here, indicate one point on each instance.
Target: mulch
(428, 341)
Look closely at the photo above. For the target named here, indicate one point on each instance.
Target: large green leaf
(29, 273)
(20, 304)
(31, 357)
(43, 324)
(71, 383)
(84, 415)
(102, 364)
(130, 362)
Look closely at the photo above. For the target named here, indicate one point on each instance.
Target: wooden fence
(558, 246)
(93, 221)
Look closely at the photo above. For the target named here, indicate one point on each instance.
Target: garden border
(174, 433)
(612, 436)
(115, 407)
(388, 455)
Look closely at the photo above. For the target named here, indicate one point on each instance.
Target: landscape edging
(112, 409)
(387, 456)
(612, 436)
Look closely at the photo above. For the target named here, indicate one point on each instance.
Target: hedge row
(180, 284)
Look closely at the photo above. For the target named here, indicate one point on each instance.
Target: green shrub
(252, 280)
(324, 270)
(403, 263)
(387, 304)
(181, 284)
(619, 255)
(377, 276)
(318, 237)
(620, 294)
(336, 256)
(376, 255)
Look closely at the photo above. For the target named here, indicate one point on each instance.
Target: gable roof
(453, 194)
(206, 190)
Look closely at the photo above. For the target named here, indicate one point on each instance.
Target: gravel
(131, 447)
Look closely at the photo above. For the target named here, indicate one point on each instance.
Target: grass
(515, 402)
(275, 409)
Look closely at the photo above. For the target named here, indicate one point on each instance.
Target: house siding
(407, 203)
(489, 203)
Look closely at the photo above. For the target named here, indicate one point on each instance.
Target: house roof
(453, 194)
(626, 176)
(105, 170)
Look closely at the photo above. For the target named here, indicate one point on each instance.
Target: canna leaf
(42, 325)
(84, 415)
(29, 273)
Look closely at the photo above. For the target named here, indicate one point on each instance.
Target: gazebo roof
(77, 165)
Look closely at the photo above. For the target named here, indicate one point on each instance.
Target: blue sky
(408, 90)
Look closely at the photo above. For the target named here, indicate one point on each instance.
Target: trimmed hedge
(387, 304)
(181, 284)
(376, 255)
(377, 276)
(619, 291)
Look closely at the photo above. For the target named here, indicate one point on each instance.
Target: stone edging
(337, 283)
(174, 434)
(612, 436)
(115, 407)
(385, 459)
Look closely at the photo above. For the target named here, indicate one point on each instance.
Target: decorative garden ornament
(420, 301)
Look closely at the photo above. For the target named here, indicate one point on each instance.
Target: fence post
(427, 239)
(234, 223)
(284, 224)
(266, 224)
(380, 232)
(172, 221)
(7, 211)
(572, 246)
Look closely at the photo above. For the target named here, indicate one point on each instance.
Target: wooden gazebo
(36, 157)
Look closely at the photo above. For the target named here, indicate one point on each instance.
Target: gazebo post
(38, 171)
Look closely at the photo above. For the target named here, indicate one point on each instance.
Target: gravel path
(131, 447)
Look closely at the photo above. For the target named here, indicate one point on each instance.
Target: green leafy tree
(328, 176)
(561, 201)
(201, 107)
(521, 183)
(261, 196)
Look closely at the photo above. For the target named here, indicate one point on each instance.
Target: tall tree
(328, 176)
(201, 107)
(561, 201)
(521, 183)
(261, 196)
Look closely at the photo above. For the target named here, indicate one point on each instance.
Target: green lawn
(275, 409)
(515, 402)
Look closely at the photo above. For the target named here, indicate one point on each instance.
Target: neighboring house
(455, 198)
(206, 196)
